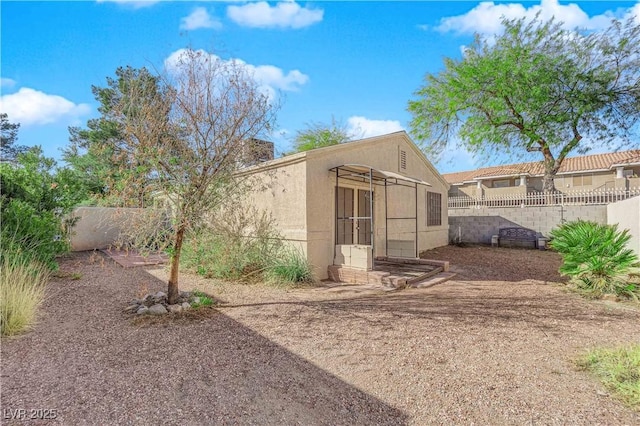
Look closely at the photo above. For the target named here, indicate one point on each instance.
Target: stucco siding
(626, 214)
(281, 193)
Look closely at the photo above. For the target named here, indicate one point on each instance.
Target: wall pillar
(479, 189)
(523, 180)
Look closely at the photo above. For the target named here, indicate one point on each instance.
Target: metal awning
(362, 173)
(371, 176)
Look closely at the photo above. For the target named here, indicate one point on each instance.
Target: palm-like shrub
(595, 256)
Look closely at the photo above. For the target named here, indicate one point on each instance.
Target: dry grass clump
(22, 284)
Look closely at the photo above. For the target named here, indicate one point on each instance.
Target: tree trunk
(547, 181)
(173, 292)
(551, 166)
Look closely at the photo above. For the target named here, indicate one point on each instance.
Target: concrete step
(424, 276)
(434, 280)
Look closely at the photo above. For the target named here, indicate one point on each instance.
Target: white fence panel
(598, 196)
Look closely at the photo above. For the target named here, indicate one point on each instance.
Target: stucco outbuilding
(350, 203)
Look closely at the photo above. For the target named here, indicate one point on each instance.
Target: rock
(131, 308)
(185, 294)
(160, 297)
(610, 297)
(148, 300)
(175, 309)
(142, 310)
(196, 300)
(157, 309)
(185, 306)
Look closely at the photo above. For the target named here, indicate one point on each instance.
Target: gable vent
(403, 160)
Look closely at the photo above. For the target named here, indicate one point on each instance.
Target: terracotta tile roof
(569, 165)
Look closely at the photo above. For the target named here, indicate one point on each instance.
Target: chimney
(257, 151)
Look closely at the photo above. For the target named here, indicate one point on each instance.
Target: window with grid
(434, 209)
(582, 180)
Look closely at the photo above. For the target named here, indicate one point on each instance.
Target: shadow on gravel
(538, 311)
(86, 360)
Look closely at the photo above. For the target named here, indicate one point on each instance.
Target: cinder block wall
(478, 225)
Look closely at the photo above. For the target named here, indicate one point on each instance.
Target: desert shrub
(596, 258)
(618, 369)
(290, 266)
(243, 244)
(22, 283)
(147, 230)
(237, 244)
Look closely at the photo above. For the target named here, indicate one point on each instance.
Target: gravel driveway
(493, 346)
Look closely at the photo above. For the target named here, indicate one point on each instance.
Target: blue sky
(358, 62)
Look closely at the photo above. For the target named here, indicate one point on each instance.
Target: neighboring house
(349, 203)
(617, 170)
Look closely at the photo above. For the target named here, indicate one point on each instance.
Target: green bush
(619, 371)
(34, 198)
(596, 258)
(22, 284)
(31, 234)
(289, 267)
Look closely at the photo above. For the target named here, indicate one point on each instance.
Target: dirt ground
(492, 346)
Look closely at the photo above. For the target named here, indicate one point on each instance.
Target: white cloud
(269, 77)
(287, 14)
(486, 17)
(136, 4)
(199, 18)
(7, 82)
(32, 107)
(635, 11)
(365, 128)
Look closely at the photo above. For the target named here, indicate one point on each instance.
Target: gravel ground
(493, 346)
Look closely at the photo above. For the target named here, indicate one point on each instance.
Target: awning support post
(373, 251)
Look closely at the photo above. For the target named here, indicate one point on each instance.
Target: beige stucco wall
(627, 215)
(97, 227)
(301, 197)
(280, 191)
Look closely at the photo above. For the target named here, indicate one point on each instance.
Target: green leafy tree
(95, 153)
(535, 88)
(8, 137)
(319, 135)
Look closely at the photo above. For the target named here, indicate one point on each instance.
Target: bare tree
(188, 137)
